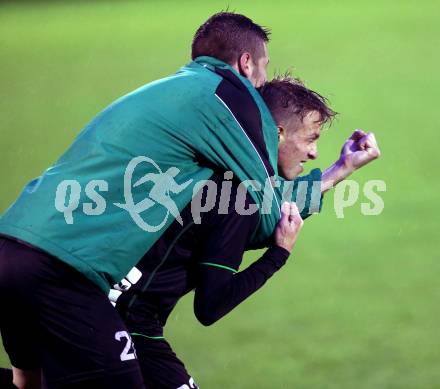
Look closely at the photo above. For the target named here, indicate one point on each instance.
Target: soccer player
(75, 231)
(205, 252)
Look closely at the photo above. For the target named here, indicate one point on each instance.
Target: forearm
(219, 292)
(359, 150)
(334, 175)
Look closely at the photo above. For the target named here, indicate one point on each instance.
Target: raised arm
(360, 149)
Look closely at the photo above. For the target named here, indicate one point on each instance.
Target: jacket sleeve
(220, 290)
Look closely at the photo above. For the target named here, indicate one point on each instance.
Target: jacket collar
(212, 63)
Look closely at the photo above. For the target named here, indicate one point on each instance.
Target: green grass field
(357, 306)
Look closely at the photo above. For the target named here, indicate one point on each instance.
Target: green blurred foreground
(357, 304)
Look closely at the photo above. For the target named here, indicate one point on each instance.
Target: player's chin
(297, 170)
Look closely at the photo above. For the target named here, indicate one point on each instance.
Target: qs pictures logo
(68, 194)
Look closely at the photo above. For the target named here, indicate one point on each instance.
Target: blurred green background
(357, 305)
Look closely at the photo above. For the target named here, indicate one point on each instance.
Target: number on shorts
(126, 355)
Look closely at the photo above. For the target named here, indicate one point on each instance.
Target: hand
(361, 148)
(288, 227)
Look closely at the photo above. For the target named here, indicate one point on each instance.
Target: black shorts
(160, 366)
(54, 318)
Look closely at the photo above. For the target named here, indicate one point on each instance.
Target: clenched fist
(288, 227)
(360, 149)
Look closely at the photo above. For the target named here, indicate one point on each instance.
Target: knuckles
(374, 152)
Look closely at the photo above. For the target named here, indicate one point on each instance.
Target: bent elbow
(205, 319)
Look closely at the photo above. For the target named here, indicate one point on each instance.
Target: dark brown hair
(227, 35)
(286, 96)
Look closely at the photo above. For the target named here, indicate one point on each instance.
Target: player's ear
(245, 64)
(281, 133)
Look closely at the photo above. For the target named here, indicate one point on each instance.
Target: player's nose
(313, 154)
